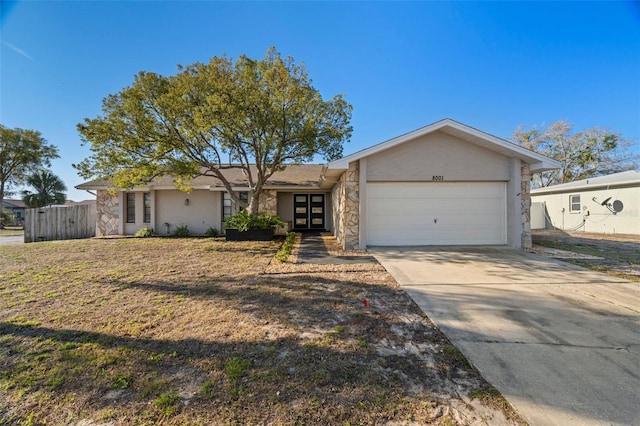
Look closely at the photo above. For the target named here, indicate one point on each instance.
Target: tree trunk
(254, 202)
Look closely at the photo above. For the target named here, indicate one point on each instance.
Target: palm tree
(49, 189)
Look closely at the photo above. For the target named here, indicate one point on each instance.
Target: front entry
(308, 211)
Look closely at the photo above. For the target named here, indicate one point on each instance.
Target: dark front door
(308, 211)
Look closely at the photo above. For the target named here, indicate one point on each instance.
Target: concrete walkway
(6, 240)
(560, 342)
(314, 250)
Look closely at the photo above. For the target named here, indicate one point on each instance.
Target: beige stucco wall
(437, 154)
(204, 210)
(285, 206)
(597, 218)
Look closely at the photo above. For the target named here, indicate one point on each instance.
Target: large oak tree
(588, 153)
(210, 117)
(21, 151)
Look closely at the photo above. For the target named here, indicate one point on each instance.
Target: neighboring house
(16, 208)
(443, 184)
(606, 204)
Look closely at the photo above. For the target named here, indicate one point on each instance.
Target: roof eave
(537, 161)
(544, 166)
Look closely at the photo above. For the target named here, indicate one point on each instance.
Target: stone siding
(108, 214)
(268, 202)
(345, 197)
(525, 197)
(351, 211)
(337, 209)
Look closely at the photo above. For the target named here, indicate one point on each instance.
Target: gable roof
(293, 176)
(14, 204)
(536, 161)
(628, 178)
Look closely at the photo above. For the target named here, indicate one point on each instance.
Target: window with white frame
(228, 209)
(131, 207)
(574, 204)
(147, 207)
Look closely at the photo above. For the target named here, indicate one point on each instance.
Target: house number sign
(437, 178)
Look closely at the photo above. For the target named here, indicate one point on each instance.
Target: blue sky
(402, 65)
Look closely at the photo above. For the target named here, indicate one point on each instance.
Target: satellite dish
(617, 206)
(604, 203)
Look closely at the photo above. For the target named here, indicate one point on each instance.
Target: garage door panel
(412, 213)
(479, 204)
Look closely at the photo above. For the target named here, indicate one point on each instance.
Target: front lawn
(191, 331)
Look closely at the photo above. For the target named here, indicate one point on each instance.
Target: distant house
(16, 208)
(443, 184)
(606, 204)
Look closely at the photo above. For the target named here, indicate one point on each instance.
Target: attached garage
(443, 184)
(436, 213)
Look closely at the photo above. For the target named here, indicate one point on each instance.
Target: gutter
(585, 187)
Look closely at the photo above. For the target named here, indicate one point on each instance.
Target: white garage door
(439, 213)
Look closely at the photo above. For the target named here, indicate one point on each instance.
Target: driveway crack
(502, 342)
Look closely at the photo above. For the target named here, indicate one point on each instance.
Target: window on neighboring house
(227, 206)
(147, 207)
(131, 207)
(574, 204)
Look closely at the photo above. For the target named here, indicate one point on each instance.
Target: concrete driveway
(560, 342)
(11, 239)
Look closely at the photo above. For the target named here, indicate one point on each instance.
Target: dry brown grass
(191, 331)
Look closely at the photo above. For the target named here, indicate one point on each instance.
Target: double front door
(308, 211)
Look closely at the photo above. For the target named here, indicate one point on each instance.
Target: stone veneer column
(337, 201)
(108, 216)
(268, 202)
(525, 197)
(351, 209)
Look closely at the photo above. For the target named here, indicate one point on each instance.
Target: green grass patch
(490, 396)
(285, 251)
(168, 403)
(236, 368)
(208, 389)
(122, 381)
(455, 356)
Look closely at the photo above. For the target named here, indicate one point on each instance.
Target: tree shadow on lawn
(315, 354)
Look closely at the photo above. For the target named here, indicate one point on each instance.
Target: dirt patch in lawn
(618, 255)
(194, 331)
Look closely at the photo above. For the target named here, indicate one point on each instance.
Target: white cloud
(17, 50)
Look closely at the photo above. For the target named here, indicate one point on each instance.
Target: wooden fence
(59, 223)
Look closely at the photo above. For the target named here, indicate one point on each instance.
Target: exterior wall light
(186, 202)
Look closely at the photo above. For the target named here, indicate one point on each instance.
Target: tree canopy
(588, 153)
(215, 116)
(21, 151)
(49, 189)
